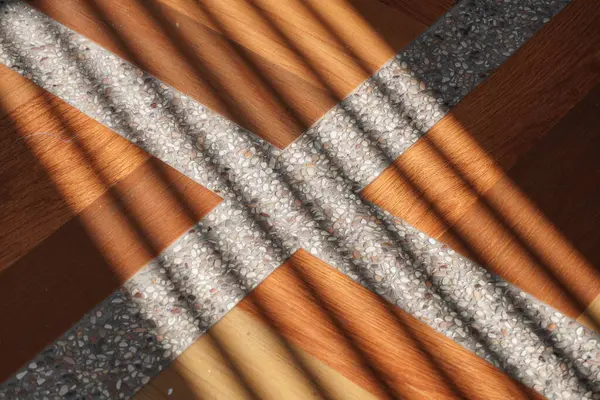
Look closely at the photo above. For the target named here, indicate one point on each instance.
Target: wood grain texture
(591, 316)
(81, 210)
(45, 178)
(307, 314)
(240, 344)
(274, 67)
(550, 199)
(488, 179)
(424, 11)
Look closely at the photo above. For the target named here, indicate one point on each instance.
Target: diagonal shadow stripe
(275, 211)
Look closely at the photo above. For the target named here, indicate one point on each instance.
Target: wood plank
(424, 11)
(591, 316)
(45, 178)
(82, 210)
(549, 199)
(273, 67)
(561, 176)
(92, 255)
(308, 311)
(240, 345)
(455, 184)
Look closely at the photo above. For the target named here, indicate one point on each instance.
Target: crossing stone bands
(278, 201)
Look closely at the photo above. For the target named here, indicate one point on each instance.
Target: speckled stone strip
(305, 196)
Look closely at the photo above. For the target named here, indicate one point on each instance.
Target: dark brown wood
(424, 11)
(45, 179)
(81, 209)
(492, 180)
(557, 211)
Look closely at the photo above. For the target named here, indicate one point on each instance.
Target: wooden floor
(274, 67)
(510, 176)
(76, 194)
(82, 210)
(310, 332)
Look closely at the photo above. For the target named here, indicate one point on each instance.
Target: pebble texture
(305, 196)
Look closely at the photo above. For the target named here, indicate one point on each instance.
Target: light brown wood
(591, 315)
(307, 311)
(81, 209)
(274, 67)
(240, 344)
(456, 183)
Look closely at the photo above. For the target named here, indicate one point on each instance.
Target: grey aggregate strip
(305, 196)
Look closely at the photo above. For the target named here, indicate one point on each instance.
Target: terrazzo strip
(305, 196)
